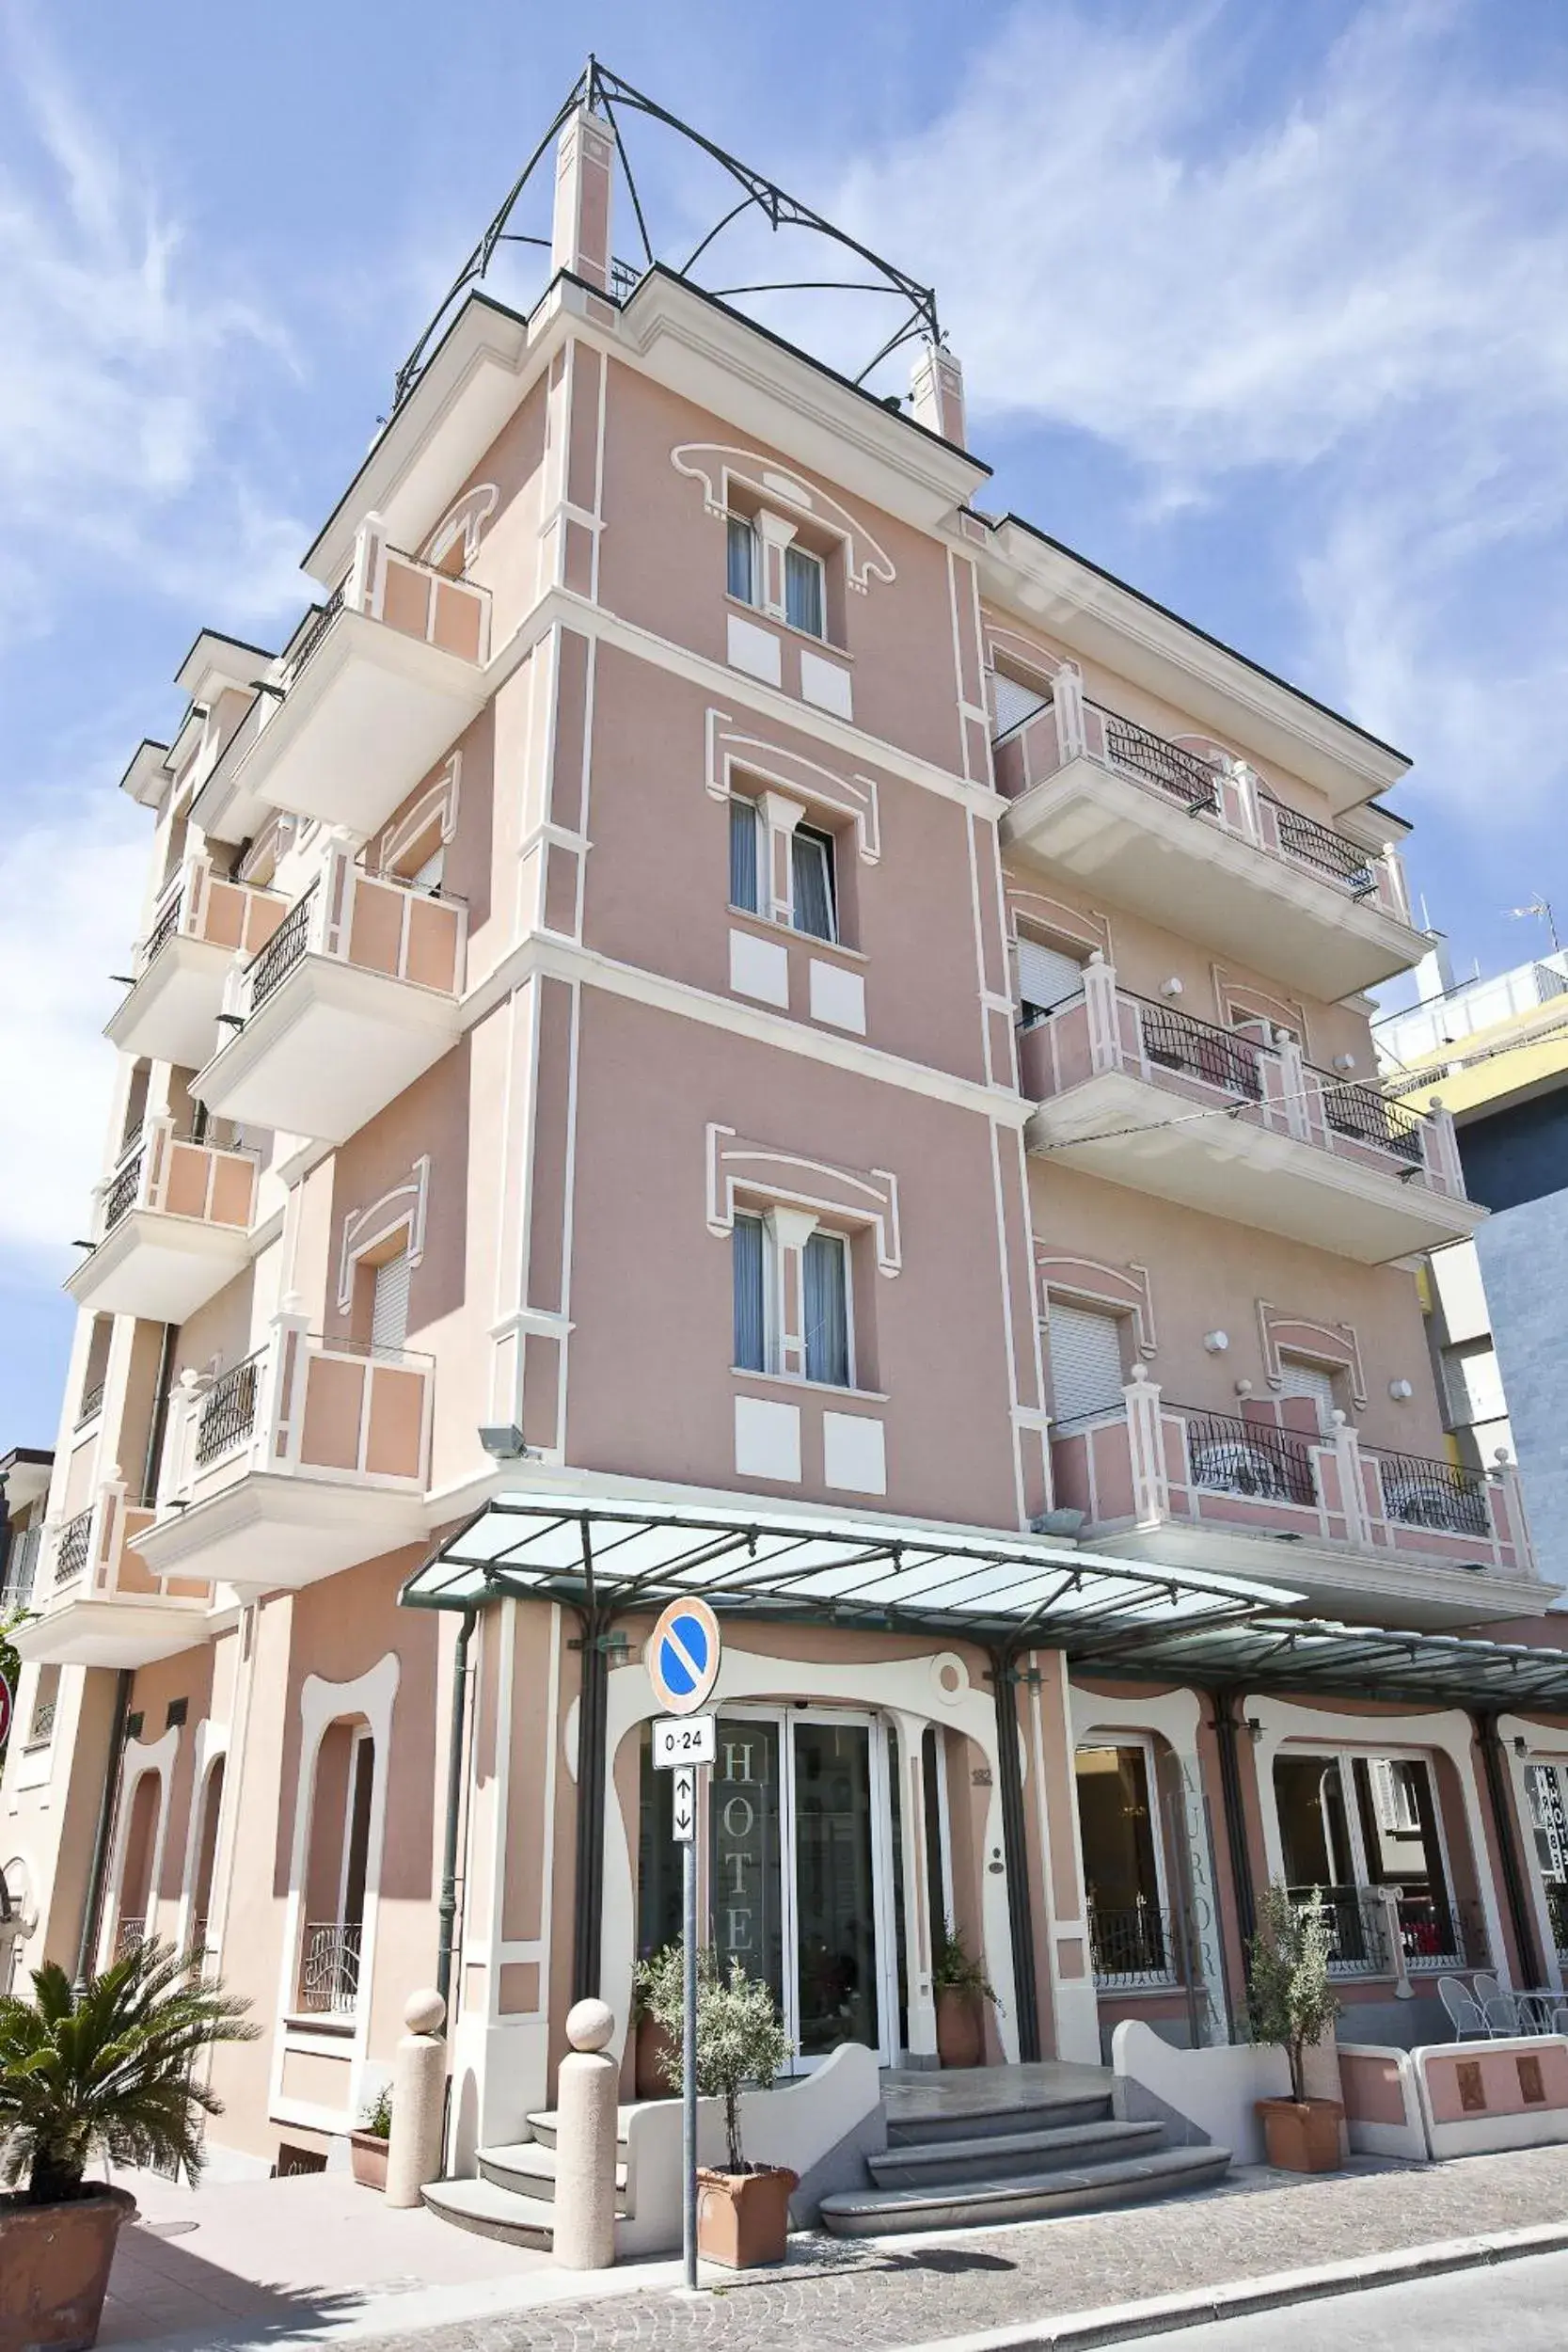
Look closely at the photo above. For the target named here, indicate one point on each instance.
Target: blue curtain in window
(742, 560)
(802, 590)
(746, 1264)
(826, 1310)
(743, 854)
(811, 856)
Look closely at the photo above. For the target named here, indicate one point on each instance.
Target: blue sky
(1266, 309)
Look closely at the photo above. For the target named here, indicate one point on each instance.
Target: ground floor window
(1129, 1922)
(336, 1860)
(1350, 1824)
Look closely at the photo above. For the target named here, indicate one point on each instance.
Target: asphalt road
(1505, 2307)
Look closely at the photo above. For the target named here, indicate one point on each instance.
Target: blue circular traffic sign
(682, 1655)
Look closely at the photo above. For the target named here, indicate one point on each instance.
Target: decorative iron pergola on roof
(755, 198)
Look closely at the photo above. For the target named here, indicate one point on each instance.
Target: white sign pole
(689, 2042)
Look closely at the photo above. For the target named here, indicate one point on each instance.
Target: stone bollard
(586, 2095)
(419, 2101)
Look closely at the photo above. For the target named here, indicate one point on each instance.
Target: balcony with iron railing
(304, 1456)
(1134, 1948)
(202, 921)
(1148, 1095)
(96, 1602)
(1434, 1931)
(1091, 790)
(1193, 1484)
(380, 682)
(172, 1226)
(354, 997)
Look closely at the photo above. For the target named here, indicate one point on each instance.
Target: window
(1015, 704)
(1087, 1373)
(1350, 1824)
(1128, 1928)
(813, 876)
(1299, 1378)
(748, 1257)
(803, 597)
(827, 1306)
(811, 856)
(389, 1306)
(1046, 976)
(742, 557)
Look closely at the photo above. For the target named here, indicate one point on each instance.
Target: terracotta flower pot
(654, 2075)
(960, 2027)
(55, 2268)
(1302, 2134)
(743, 2217)
(367, 2155)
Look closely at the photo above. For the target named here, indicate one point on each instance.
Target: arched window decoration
(453, 544)
(337, 1867)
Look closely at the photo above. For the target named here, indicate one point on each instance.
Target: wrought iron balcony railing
(313, 635)
(1445, 1495)
(120, 1196)
(1179, 1041)
(228, 1413)
(1132, 1945)
(1230, 1455)
(1358, 1943)
(71, 1552)
(1315, 844)
(1182, 774)
(1368, 1117)
(329, 1966)
(283, 950)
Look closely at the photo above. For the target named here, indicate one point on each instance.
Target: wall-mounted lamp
(1216, 1342)
(505, 1443)
(1254, 1730)
(1171, 987)
(1400, 1391)
(1521, 1747)
(1344, 1061)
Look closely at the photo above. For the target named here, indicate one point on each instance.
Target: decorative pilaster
(1353, 1489)
(1066, 701)
(774, 533)
(1100, 1003)
(790, 1230)
(1146, 1445)
(584, 171)
(780, 817)
(937, 393)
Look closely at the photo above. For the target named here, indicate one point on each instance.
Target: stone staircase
(513, 2197)
(1010, 2144)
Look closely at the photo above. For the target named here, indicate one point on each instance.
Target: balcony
(171, 1228)
(1096, 796)
(301, 1459)
(202, 921)
(1182, 1484)
(98, 1603)
(1143, 1094)
(384, 679)
(354, 997)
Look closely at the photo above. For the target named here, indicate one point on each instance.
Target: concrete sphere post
(419, 2101)
(586, 2095)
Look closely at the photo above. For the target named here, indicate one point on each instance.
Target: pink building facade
(713, 982)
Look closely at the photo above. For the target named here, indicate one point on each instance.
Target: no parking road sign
(683, 1656)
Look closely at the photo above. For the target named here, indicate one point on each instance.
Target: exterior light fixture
(1400, 1391)
(506, 1443)
(1216, 1342)
(1171, 987)
(1344, 1061)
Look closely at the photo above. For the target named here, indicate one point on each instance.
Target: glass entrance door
(802, 1894)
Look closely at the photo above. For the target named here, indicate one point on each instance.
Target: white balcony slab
(171, 1012)
(370, 713)
(121, 1633)
(282, 1531)
(158, 1266)
(1144, 848)
(330, 1047)
(1117, 1126)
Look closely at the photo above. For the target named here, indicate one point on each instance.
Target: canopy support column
(1015, 1847)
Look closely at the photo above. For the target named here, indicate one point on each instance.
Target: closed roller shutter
(1086, 1374)
(1045, 975)
(1014, 703)
(1302, 1380)
(389, 1306)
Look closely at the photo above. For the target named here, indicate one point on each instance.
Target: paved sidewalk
(319, 2262)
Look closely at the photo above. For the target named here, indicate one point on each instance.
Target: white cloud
(119, 365)
(1346, 305)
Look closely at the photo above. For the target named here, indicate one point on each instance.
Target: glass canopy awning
(620, 1553)
(1362, 1662)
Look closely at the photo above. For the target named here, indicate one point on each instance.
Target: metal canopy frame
(1323, 1657)
(602, 92)
(610, 1554)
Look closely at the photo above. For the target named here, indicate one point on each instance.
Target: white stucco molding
(141, 1758)
(763, 757)
(1281, 1723)
(321, 1703)
(366, 1228)
(867, 1197)
(716, 465)
(210, 1746)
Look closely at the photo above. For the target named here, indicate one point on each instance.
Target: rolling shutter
(1302, 1380)
(389, 1306)
(1045, 974)
(1014, 703)
(1086, 1374)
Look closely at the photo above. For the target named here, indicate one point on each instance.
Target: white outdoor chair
(1465, 2012)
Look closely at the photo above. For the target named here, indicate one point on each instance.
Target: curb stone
(1123, 2323)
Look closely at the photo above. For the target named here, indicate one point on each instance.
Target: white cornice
(1108, 622)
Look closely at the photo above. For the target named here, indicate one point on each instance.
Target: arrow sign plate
(685, 1740)
(685, 1804)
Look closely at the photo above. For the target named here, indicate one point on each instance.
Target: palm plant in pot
(961, 1985)
(106, 2073)
(742, 2210)
(1293, 2004)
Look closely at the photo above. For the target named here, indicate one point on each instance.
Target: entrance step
(528, 2168)
(491, 2212)
(983, 2117)
(1002, 2154)
(1027, 2197)
(542, 2126)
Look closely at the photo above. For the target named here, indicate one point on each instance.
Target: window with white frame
(1088, 1374)
(1351, 1823)
(805, 577)
(825, 1303)
(744, 571)
(814, 883)
(805, 602)
(1048, 975)
(1124, 1878)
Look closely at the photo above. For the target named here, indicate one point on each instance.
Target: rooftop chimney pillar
(937, 393)
(584, 166)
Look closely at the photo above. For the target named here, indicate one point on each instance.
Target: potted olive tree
(107, 2073)
(743, 2210)
(368, 2146)
(1293, 2004)
(961, 1988)
(652, 2076)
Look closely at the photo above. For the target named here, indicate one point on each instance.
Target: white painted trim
(141, 1757)
(364, 1229)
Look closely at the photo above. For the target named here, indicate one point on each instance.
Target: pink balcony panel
(426, 604)
(363, 1414)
